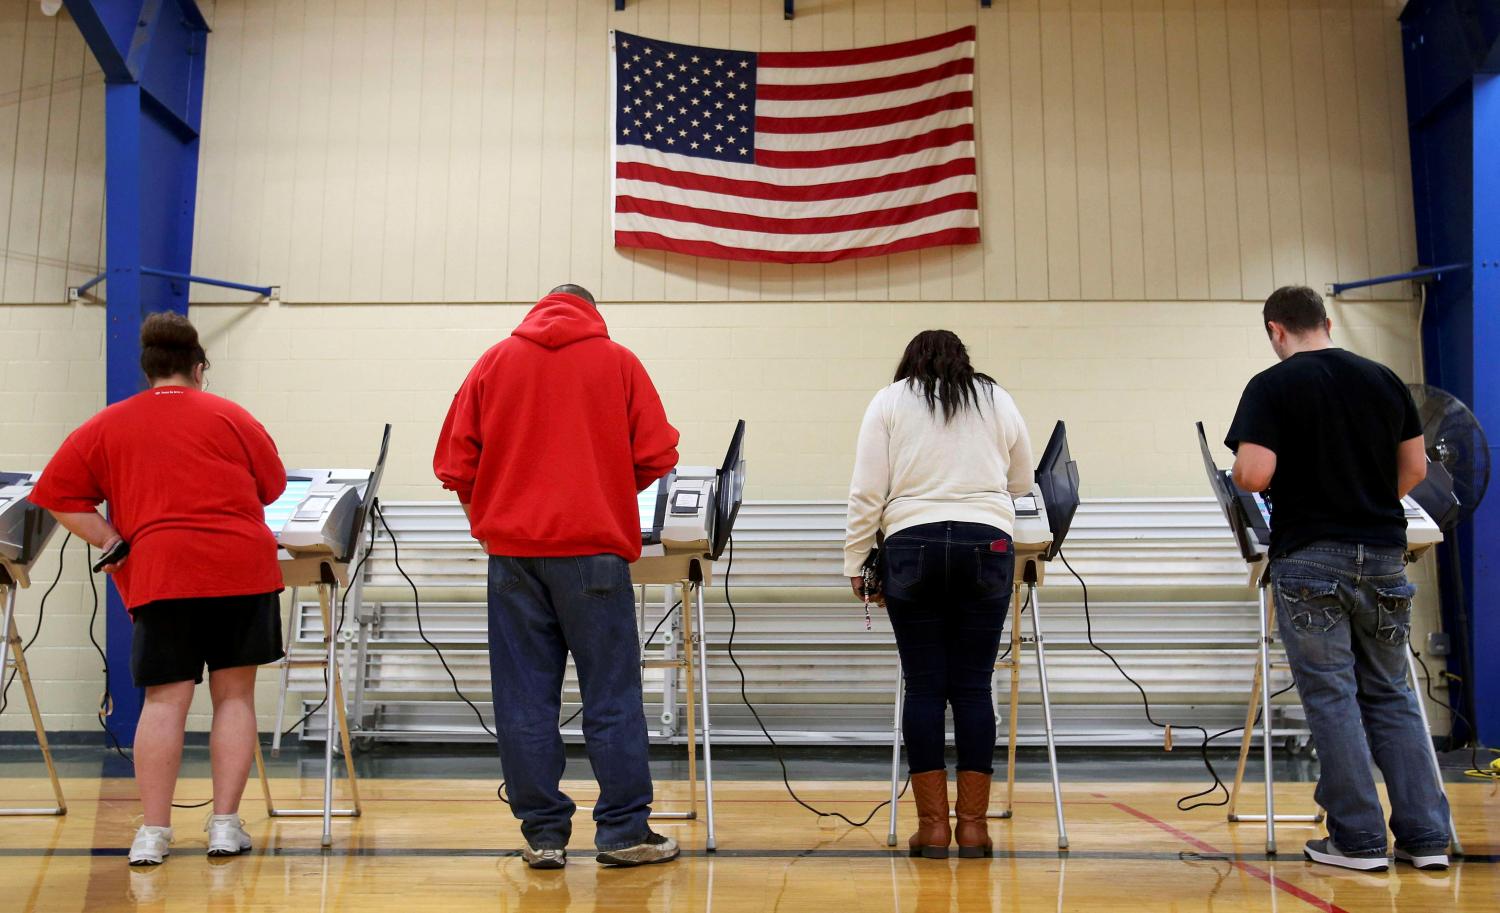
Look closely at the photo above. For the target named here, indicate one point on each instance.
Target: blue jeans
(1344, 612)
(947, 591)
(540, 609)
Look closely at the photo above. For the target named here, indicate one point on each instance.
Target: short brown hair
(1296, 307)
(169, 346)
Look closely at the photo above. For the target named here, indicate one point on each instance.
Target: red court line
(1326, 905)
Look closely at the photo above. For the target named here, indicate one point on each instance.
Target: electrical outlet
(1437, 644)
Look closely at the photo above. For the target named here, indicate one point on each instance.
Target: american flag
(794, 157)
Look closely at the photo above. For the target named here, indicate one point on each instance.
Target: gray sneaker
(1431, 860)
(1328, 853)
(654, 849)
(544, 859)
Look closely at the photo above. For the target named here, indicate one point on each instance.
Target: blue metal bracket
(1436, 272)
(788, 9)
(986, 3)
(619, 6)
(263, 290)
(77, 290)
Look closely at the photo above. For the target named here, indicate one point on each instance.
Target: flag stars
(743, 150)
(719, 149)
(692, 145)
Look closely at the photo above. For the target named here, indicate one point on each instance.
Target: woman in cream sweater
(941, 453)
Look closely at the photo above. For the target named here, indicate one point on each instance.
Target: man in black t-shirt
(1335, 442)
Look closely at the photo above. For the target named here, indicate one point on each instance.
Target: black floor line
(470, 853)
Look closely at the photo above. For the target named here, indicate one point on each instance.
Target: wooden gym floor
(446, 845)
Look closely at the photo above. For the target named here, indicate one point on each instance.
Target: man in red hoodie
(549, 440)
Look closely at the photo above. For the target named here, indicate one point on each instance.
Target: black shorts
(174, 639)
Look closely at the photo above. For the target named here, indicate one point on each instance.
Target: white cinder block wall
(413, 174)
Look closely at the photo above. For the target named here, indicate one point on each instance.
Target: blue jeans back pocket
(1312, 603)
(1393, 611)
(603, 576)
(994, 572)
(903, 567)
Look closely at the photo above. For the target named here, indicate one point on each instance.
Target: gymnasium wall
(413, 174)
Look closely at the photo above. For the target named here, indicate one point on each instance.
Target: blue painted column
(152, 53)
(123, 378)
(1484, 554)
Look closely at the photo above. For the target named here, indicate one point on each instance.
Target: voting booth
(24, 532)
(1249, 517)
(320, 523)
(687, 517)
(1043, 518)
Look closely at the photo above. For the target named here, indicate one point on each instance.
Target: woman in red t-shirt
(186, 476)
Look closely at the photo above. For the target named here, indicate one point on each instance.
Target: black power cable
(1185, 803)
(106, 701)
(776, 748)
(338, 626)
(416, 597)
(41, 613)
(1473, 746)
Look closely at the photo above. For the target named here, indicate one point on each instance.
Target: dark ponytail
(169, 346)
(936, 364)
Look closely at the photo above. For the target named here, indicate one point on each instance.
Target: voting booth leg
(1437, 770)
(708, 742)
(11, 652)
(900, 701)
(1259, 691)
(1014, 664)
(1265, 720)
(692, 662)
(1041, 669)
(286, 678)
(338, 726)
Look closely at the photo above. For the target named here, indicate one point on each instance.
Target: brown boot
(972, 805)
(930, 790)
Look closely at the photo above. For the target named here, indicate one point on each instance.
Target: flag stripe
(866, 55)
(960, 150)
(718, 218)
(766, 240)
(834, 107)
(782, 209)
(654, 241)
(869, 137)
(865, 119)
(865, 86)
(823, 158)
(769, 76)
(641, 180)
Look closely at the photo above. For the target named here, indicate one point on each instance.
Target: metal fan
(1455, 441)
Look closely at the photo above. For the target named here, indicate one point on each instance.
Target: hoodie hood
(561, 320)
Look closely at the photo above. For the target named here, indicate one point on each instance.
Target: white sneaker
(151, 845)
(226, 835)
(1430, 859)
